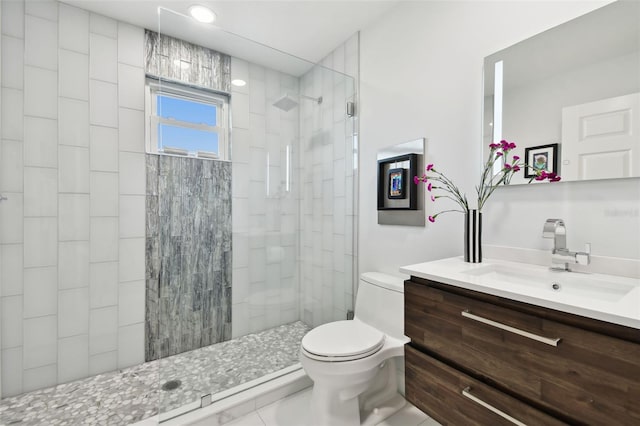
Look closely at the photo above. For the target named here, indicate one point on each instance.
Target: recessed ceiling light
(202, 14)
(238, 82)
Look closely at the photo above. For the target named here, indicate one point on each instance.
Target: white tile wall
(130, 45)
(132, 216)
(40, 191)
(73, 29)
(102, 363)
(73, 358)
(47, 9)
(104, 239)
(130, 79)
(38, 378)
(40, 241)
(13, 18)
(11, 162)
(99, 24)
(73, 169)
(11, 269)
(12, 371)
(103, 284)
(12, 322)
(130, 345)
(73, 265)
(132, 173)
(40, 142)
(12, 126)
(73, 122)
(103, 103)
(12, 62)
(131, 303)
(40, 291)
(131, 130)
(40, 341)
(40, 92)
(76, 113)
(132, 253)
(103, 330)
(103, 150)
(73, 315)
(103, 62)
(12, 219)
(104, 193)
(73, 217)
(41, 43)
(74, 75)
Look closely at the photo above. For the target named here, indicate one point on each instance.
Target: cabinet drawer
(587, 378)
(453, 398)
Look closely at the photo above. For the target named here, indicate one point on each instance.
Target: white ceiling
(303, 28)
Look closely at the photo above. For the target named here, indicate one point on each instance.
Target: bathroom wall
(188, 298)
(421, 76)
(328, 174)
(72, 166)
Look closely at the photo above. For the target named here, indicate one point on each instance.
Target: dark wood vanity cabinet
(478, 359)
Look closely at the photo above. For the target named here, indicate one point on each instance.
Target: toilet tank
(380, 302)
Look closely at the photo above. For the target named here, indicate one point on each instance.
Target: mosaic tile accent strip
(188, 254)
(133, 394)
(173, 59)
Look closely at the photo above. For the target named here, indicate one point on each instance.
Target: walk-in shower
(140, 281)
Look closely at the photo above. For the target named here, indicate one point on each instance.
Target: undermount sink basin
(561, 282)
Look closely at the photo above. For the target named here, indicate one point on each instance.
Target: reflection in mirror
(396, 211)
(576, 85)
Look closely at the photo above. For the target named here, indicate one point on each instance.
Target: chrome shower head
(287, 102)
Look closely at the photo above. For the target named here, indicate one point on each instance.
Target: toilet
(353, 363)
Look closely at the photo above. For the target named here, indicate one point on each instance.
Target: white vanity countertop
(603, 297)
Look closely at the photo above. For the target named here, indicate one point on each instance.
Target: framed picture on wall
(541, 158)
(397, 183)
(396, 190)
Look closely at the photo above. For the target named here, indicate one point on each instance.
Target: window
(186, 121)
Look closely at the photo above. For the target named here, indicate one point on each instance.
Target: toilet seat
(342, 341)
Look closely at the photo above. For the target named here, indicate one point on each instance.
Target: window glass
(186, 110)
(190, 139)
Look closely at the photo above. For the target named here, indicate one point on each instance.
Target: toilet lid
(343, 340)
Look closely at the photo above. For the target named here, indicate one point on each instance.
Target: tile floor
(130, 395)
(294, 411)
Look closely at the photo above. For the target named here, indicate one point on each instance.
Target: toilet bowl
(352, 363)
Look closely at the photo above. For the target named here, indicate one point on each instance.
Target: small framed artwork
(397, 182)
(541, 158)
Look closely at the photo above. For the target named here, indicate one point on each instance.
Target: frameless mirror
(570, 97)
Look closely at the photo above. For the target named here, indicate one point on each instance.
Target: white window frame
(155, 88)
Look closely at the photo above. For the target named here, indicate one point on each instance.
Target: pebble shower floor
(127, 396)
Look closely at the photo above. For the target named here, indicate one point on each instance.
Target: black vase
(473, 236)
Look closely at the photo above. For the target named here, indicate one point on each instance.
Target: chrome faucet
(561, 257)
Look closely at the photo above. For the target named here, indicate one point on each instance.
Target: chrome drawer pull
(466, 392)
(546, 340)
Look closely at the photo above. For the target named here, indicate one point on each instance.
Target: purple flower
(429, 187)
(516, 158)
(516, 168)
(433, 198)
(430, 167)
(416, 180)
(507, 166)
(555, 179)
(432, 219)
(494, 145)
(498, 154)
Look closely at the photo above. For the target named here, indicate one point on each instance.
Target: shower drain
(171, 385)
